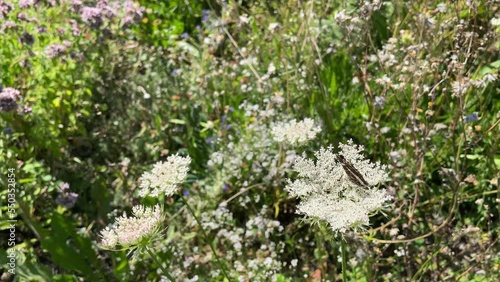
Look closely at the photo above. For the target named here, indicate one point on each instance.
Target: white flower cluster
(165, 176)
(252, 145)
(295, 133)
(130, 231)
(338, 188)
(255, 253)
(145, 223)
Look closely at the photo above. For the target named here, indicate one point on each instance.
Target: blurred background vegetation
(415, 82)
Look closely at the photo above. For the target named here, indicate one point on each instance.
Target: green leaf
(189, 236)
(47, 177)
(177, 121)
(65, 278)
(189, 48)
(495, 64)
(472, 156)
(33, 271)
(281, 278)
(56, 102)
(69, 250)
(26, 180)
(158, 123)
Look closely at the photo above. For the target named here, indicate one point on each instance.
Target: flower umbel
(132, 231)
(165, 176)
(295, 133)
(329, 193)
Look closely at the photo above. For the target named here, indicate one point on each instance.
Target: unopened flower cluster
(130, 231)
(165, 176)
(328, 193)
(295, 133)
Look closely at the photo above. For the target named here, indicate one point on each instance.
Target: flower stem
(155, 258)
(223, 268)
(344, 259)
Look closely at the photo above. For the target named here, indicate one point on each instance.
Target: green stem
(155, 258)
(205, 237)
(344, 259)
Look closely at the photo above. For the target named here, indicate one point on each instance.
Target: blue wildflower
(205, 15)
(472, 117)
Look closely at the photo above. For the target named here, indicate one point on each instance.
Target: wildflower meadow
(259, 140)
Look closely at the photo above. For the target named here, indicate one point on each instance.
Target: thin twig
(224, 203)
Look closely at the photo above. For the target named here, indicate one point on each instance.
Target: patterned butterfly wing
(352, 173)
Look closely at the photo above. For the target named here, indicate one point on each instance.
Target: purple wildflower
(55, 50)
(91, 16)
(22, 17)
(75, 28)
(41, 29)
(7, 25)
(76, 5)
(127, 20)
(26, 3)
(8, 99)
(65, 198)
(107, 10)
(132, 12)
(5, 8)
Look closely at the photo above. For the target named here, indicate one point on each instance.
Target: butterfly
(354, 175)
